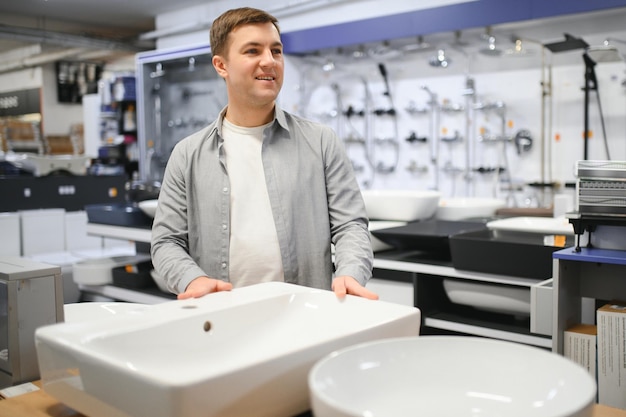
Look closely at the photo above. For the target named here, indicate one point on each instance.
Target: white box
(43, 231)
(76, 237)
(611, 322)
(11, 242)
(579, 345)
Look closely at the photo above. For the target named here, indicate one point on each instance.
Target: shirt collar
(279, 117)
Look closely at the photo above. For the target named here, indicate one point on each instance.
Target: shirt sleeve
(348, 218)
(170, 229)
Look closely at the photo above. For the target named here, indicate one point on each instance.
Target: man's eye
(251, 51)
(277, 51)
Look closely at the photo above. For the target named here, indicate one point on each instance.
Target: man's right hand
(203, 286)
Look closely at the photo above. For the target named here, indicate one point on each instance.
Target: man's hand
(204, 285)
(348, 285)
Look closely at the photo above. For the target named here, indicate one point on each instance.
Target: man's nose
(267, 58)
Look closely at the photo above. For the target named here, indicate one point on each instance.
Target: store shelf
(135, 234)
(464, 325)
(423, 263)
(440, 314)
(605, 256)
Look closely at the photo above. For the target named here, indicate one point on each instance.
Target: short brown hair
(231, 19)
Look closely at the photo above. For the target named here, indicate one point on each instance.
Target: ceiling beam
(30, 35)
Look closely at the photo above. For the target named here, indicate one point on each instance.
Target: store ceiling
(32, 27)
(35, 30)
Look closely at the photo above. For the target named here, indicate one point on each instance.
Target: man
(260, 194)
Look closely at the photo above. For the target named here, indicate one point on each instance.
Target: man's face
(254, 66)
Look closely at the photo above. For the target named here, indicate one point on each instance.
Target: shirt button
(224, 227)
(225, 189)
(223, 265)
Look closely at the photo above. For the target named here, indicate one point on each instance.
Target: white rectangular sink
(246, 352)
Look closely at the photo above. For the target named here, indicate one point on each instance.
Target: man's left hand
(348, 285)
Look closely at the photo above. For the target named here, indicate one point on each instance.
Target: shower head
(158, 72)
(491, 49)
(518, 50)
(418, 46)
(440, 60)
(570, 43)
(328, 65)
(604, 53)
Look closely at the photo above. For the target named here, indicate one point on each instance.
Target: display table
(40, 404)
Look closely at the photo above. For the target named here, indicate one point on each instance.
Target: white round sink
(449, 376)
(467, 208)
(400, 205)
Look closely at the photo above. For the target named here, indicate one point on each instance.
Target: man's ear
(220, 65)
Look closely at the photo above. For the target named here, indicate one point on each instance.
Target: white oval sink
(449, 376)
(246, 352)
(467, 208)
(400, 205)
(490, 297)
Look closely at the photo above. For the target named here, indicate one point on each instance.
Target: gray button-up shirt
(313, 193)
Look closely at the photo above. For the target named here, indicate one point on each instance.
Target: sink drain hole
(207, 326)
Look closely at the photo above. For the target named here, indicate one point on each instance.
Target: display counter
(40, 404)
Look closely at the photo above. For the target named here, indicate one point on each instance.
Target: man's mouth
(265, 78)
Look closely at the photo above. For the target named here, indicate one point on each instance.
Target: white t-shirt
(254, 249)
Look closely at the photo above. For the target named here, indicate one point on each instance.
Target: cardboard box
(579, 345)
(611, 322)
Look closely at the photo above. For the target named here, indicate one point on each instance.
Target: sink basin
(246, 352)
(490, 297)
(89, 311)
(400, 205)
(449, 376)
(517, 227)
(377, 244)
(467, 208)
(148, 207)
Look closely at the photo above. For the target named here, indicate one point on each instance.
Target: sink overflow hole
(207, 326)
